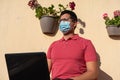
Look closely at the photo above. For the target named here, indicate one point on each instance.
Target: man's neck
(66, 37)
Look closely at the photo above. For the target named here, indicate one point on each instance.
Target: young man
(72, 57)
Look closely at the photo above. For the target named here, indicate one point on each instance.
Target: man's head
(68, 22)
(73, 16)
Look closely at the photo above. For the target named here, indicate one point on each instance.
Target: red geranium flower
(105, 16)
(72, 5)
(116, 13)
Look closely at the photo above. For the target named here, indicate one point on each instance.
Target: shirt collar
(76, 36)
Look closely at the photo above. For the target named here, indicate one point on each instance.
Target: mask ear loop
(75, 24)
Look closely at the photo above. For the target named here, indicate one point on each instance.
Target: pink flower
(116, 13)
(33, 3)
(72, 5)
(105, 16)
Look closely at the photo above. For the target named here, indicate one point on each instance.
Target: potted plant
(113, 24)
(48, 16)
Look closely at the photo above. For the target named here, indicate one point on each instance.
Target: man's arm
(49, 64)
(90, 74)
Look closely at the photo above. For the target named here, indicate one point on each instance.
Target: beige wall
(20, 32)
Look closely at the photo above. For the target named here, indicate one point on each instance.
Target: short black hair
(71, 13)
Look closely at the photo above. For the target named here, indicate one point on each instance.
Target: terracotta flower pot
(48, 24)
(113, 30)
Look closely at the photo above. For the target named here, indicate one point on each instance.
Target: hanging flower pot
(113, 24)
(113, 30)
(48, 24)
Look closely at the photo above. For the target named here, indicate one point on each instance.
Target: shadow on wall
(102, 75)
(83, 24)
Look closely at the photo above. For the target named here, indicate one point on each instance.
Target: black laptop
(27, 66)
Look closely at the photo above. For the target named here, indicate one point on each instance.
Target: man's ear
(75, 24)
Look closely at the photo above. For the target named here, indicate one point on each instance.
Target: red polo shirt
(69, 57)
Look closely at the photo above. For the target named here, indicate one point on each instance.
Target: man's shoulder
(84, 39)
(56, 42)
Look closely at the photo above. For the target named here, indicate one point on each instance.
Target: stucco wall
(20, 32)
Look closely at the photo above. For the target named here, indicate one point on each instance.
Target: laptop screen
(27, 66)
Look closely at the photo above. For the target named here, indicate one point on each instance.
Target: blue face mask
(64, 26)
